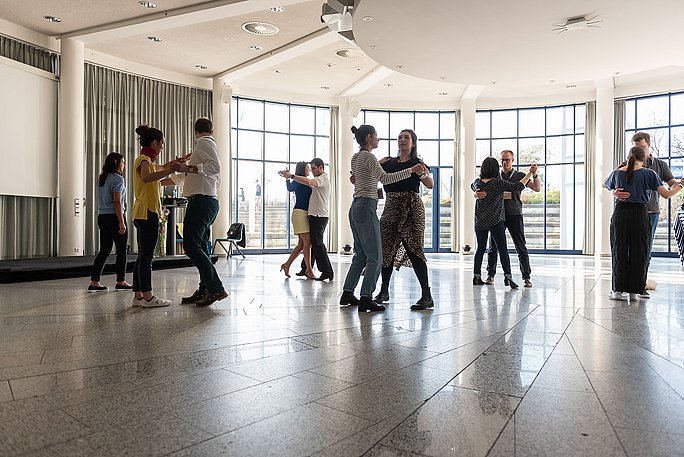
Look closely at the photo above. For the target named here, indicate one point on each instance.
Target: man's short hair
(203, 125)
(638, 136)
(509, 151)
(316, 162)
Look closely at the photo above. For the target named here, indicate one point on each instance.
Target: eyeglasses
(507, 160)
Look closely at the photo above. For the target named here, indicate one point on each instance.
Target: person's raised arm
(147, 175)
(672, 191)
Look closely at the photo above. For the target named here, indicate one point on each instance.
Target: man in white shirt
(202, 179)
(319, 205)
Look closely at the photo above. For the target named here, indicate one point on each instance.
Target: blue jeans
(147, 233)
(367, 246)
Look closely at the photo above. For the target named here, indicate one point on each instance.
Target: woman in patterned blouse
(489, 216)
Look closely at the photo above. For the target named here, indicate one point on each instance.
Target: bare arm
(148, 176)
(306, 181)
(672, 191)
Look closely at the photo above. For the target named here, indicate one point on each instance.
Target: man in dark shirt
(643, 140)
(514, 219)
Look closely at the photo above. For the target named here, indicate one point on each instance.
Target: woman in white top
(363, 218)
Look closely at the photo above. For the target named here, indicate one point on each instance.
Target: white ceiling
(441, 46)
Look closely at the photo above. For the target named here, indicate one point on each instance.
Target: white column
(221, 119)
(346, 190)
(467, 175)
(605, 97)
(71, 163)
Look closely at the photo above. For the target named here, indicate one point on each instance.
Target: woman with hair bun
(367, 172)
(146, 212)
(630, 229)
(300, 218)
(111, 220)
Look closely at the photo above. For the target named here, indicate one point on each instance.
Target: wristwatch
(192, 169)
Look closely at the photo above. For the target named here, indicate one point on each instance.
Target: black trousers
(516, 228)
(630, 232)
(319, 253)
(498, 234)
(109, 235)
(147, 234)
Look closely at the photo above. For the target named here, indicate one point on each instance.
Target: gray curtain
(619, 155)
(28, 223)
(115, 104)
(29, 54)
(28, 227)
(334, 180)
(590, 178)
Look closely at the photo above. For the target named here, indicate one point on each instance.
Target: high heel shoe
(509, 282)
(310, 274)
(286, 268)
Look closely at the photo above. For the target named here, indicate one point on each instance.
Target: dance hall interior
(215, 138)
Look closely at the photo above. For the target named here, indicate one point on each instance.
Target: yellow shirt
(147, 195)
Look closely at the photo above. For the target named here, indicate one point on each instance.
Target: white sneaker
(633, 297)
(156, 302)
(137, 303)
(619, 296)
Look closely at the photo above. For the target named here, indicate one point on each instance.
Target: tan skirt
(300, 221)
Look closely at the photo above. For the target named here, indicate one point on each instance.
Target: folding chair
(234, 236)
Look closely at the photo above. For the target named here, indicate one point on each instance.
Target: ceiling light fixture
(155, 39)
(148, 4)
(256, 47)
(571, 86)
(389, 84)
(276, 72)
(260, 28)
(52, 19)
(358, 68)
(443, 93)
(277, 9)
(577, 23)
(325, 87)
(368, 18)
(201, 67)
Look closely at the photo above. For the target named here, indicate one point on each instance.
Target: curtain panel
(333, 223)
(29, 54)
(590, 179)
(115, 104)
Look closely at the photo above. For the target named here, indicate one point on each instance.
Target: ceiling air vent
(349, 53)
(260, 28)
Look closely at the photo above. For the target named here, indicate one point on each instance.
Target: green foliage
(552, 197)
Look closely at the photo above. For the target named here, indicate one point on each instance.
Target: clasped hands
(285, 174)
(179, 164)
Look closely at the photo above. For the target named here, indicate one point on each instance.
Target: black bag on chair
(236, 233)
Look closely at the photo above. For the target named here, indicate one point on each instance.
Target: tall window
(435, 131)
(663, 118)
(268, 137)
(553, 138)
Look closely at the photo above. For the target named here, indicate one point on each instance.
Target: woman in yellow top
(146, 212)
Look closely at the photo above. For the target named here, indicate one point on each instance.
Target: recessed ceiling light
(400, 66)
(368, 18)
(570, 86)
(616, 73)
(372, 46)
(329, 65)
(276, 72)
(325, 87)
(552, 80)
(443, 93)
(148, 4)
(277, 9)
(389, 84)
(260, 28)
(52, 19)
(201, 67)
(256, 47)
(349, 53)
(442, 77)
(155, 39)
(358, 68)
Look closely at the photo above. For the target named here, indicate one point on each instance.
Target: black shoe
(366, 305)
(323, 277)
(120, 287)
(382, 297)
(510, 282)
(211, 297)
(301, 273)
(195, 297)
(92, 289)
(348, 299)
(490, 281)
(425, 302)
(477, 281)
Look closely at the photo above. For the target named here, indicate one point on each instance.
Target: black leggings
(630, 232)
(109, 235)
(419, 267)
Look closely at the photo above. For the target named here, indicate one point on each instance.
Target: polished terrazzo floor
(278, 368)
